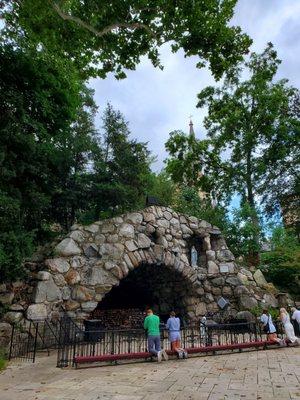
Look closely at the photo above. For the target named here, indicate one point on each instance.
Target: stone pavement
(272, 374)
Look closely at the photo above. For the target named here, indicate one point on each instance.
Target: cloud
(156, 102)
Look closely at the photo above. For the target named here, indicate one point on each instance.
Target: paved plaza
(272, 374)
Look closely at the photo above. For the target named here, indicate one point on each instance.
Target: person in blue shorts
(173, 326)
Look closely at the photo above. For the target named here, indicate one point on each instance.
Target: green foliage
(187, 201)
(162, 187)
(255, 122)
(55, 168)
(14, 247)
(242, 233)
(118, 180)
(73, 178)
(38, 105)
(3, 359)
(282, 264)
(239, 231)
(187, 158)
(258, 310)
(103, 37)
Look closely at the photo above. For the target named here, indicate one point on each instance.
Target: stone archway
(93, 259)
(156, 286)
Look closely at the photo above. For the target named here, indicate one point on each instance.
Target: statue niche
(197, 255)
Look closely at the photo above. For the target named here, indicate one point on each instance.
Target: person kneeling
(173, 325)
(151, 324)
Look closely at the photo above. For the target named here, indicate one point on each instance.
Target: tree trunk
(255, 255)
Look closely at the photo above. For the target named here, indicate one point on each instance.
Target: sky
(157, 102)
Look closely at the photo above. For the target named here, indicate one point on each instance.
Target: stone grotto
(154, 257)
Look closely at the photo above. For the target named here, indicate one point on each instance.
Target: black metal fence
(75, 341)
(72, 338)
(31, 336)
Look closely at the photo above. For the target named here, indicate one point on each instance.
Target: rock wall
(93, 259)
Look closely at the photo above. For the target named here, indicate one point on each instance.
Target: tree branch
(109, 28)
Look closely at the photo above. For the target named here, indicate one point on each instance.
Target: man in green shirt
(151, 324)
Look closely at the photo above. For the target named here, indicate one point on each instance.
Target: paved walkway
(272, 374)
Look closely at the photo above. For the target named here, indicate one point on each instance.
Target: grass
(3, 360)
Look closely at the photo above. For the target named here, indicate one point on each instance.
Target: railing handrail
(182, 328)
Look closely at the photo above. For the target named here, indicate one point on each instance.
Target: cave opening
(158, 287)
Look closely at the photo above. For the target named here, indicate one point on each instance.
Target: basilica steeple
(192, 133)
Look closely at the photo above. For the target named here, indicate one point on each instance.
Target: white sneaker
(165, 355)
(159, 356)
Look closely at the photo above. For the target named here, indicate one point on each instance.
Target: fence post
(35, 340)
(74, 345)
(112, 348)
(11, 341)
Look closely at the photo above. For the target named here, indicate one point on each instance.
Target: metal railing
(72, 339)
(31, 336)
(76, 341)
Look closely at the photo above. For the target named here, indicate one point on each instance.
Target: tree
(74, 162)
(281, 265)
(187, 159)
(244, 235)
(38, 105)
(103, 37)
(121, 167)
(187, 201)
(161, 187)
(254, 125)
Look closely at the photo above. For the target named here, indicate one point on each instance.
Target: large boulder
(225, 255)
(135, 218)
(243, 278)
(247, 302)
(6, 298)
(13, 317)
(5, 334)
(67, 247)
(270, 300)
(36, 312)
(46, 291)
(82, 294)
(72, 277)
(213, 268)
(259, 278)
(57, 265)
(284, 300)
(247, 315)
(43, 276)
(127, 231)
(98, 276)
(143, 241)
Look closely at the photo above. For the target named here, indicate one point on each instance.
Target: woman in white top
(288, 327)
(296, 317)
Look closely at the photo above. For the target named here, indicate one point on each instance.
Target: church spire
(192, 133)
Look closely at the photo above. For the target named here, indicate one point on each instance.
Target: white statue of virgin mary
(194, 257)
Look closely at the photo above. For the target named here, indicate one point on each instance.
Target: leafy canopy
(111, 36)
(121, 167)
(38, 104)
(188, 159)
(282, 264)
(254, 124)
